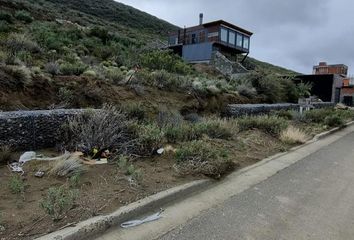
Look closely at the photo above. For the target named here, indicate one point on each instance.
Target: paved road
(312, 199)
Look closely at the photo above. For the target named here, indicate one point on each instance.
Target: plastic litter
(16, 167)
(39, 174)
(150, 218)
(160, 151)
(27, 156)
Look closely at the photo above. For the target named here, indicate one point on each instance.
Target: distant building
(330, 83)
(347, 96)
(323, 68)
(198, 43)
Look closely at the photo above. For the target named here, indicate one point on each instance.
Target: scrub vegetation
(159, 120)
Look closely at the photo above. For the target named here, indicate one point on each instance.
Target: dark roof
(228, 25)
(219, 22)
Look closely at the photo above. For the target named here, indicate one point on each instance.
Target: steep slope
(252, 64)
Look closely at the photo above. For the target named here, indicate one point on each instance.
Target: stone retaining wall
(239, 110)
(33, 130)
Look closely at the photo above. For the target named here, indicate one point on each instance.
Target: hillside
(61, 53)
(252, 64)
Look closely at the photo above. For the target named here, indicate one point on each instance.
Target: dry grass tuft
(293, 135)
(68, 165)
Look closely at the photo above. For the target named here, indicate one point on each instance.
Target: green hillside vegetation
(253, 64)
(66, 48)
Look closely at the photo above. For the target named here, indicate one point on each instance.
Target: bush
(58, 202)
(115, 74)
(293, 135)
(68, 69)
(52, 68)
(269, 124)
(21, 74)
(65, 95)
(101, 33)
(218, 128)
(149, 137)
(4, 27)
(6, 16)
(285, 114)
(169, 118)
(334, 121)
(318, 115)
(129, 169)
(16, 185)
(102, 129)
(199, 157)
(21, 42)
(5, 155)
(164, 60)
(135, 111)
(24, 16)
(90, 74)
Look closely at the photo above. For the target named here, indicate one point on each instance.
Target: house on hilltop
(198, 44)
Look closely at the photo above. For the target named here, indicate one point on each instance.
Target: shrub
(164, 60)
(16, 43)
(6, 16)
(129, 169)
(318, 115)
(293, 135)
(52, 68)
(58, 202)
(199, 157)
(4, 27)
(114, 74)
(243, 86)
(16, 185)
(135, 111)
(90, 74)
(217, 128)
(21, 74)
(5, 154)
(101, 33)
(103, 129)
(269, 124)
(285, 114)
(74, 180)
(334, 121)
(149, 137)
(169, 118)
(65, 95)
(68, 69)
(24, 16)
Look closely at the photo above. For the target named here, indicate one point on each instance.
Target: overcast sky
(296, 34)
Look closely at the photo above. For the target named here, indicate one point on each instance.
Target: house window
(232, 37)
(239, 41)
(223, 35)
(194, 38)
(202, 37)
(246, 42)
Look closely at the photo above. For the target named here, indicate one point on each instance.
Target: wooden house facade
(197, 44)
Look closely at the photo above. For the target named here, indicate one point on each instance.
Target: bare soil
(104, 188)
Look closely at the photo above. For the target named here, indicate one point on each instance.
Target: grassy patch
(201, 157)
(269, 124)
(58, 202)
(293, 135)
(16, 185)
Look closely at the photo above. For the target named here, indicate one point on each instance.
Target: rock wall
(239, 110)
(225, 66)
(33, 130)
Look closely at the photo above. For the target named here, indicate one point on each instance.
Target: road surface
(305, 194)
(312, 199)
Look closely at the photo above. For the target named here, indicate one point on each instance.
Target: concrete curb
(93, 227)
